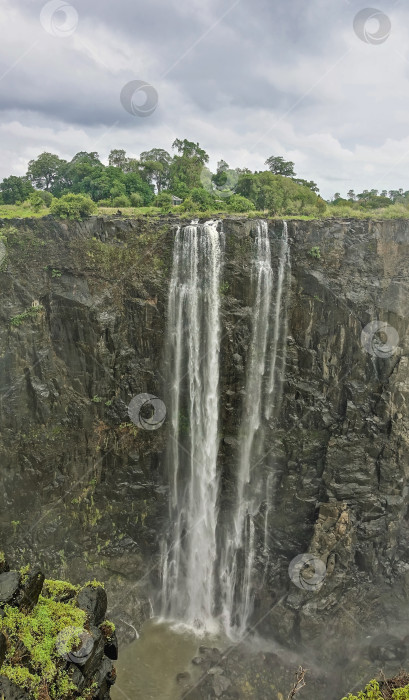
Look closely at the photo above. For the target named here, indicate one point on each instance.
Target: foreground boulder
(54, 641)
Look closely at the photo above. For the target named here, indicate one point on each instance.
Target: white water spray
(193, 347)
(253, 486)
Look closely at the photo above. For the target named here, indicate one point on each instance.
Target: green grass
(21, 211)
(395, 211)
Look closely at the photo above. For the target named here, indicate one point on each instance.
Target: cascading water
(278, 348)
(238, 551)
(253, 486)
(279, 327)
(195, 547)
(193, 353)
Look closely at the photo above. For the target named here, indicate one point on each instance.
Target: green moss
(24, 573)
(38, 639)
(32, 638)
(59, 589)
(95, 584)
(373, 692)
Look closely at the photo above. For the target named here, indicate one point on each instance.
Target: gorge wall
(85, 493)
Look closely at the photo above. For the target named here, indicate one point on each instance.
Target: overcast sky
(245, 79)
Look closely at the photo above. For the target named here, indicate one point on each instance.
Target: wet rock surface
(86, 481)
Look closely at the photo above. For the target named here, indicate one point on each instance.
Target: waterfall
(193, 340)
(278, 349)
(202, 561)
(279, 326)
(253, 487)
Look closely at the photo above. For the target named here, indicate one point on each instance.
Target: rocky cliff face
(85, 492)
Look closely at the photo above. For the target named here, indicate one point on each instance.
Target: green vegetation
(387, 689)
(73, 206)
(38, 639)
(59, 590)
(107, 628)
(315, 252)
(32, 660)
(32, 312)
(145, 185)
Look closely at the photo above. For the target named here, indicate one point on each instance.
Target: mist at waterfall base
(207, 572)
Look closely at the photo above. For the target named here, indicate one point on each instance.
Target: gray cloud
(271, 77)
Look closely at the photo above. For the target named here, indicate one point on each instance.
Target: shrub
(315, 252)
(105, 203)
(163, 200)
(188, 205)
(240, 204)
(202, 199)
(121, 201)
(73, 206)
(36, 201)
(136, 199)
(47, 197)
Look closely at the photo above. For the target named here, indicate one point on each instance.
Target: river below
(147, 668)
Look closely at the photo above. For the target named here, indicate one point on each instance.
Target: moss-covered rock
(51, 649)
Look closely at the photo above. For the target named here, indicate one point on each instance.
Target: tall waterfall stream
(208, 570)
(197, 559)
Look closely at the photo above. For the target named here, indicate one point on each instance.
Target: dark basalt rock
(10, 691)
(3, 648)
(94, 601)
(29, 594)
(104, 679)
(9, 587)
(94, 659)
(111, 647)
(76, 677)
(4, 565)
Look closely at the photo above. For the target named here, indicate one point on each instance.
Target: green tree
(202, 199)
(15, 189)
(307, 183)
(186, 167)
(155, 167)
(117, 158)
(44, 170)
(278, 166)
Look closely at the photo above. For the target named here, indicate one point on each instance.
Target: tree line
(157, 177)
